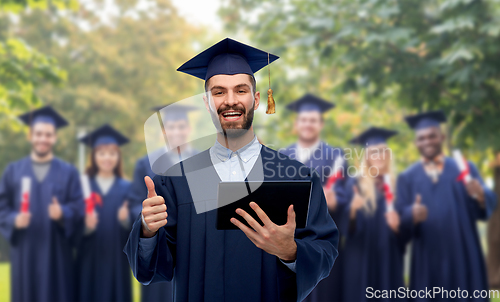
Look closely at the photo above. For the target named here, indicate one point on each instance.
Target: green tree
(118, 67)
(430, 54)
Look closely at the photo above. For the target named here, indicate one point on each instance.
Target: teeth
(232, 113)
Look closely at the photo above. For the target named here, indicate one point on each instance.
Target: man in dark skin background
(439, 214)
(176, 236)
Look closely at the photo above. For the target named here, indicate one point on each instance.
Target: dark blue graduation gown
(323, 160)
(372, 252)
(102, 269)
(41, 255)
(138, 192)
(446, 250)
(213, 265)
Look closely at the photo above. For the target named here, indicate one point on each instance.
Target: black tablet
(274, 197)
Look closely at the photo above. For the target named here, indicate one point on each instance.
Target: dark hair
(92, 169)
(252, 81)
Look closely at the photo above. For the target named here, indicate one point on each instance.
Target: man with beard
(177, 130)
(266, 262)
(318, 155)
(439, 213)
(40, 206)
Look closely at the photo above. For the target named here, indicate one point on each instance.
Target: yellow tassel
(270, 102)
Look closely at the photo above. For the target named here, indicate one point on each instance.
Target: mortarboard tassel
(271, 106)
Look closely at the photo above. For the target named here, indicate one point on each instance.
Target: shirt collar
(438, 160)
(245, 153)
(313, 147)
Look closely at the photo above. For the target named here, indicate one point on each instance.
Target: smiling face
(107, 157)
(379, 156)
(429, 142)
(43, 137)
(234, 102)
(177, 132)
(309, 125)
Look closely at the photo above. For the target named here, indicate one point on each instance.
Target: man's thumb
(151, 186)
(355, 190)
(291, 215)
(54, 200)
(418, 199)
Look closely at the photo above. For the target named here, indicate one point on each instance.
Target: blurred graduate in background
(439, 210)
(317, 154)
(177, 130)
(103, 273)
(373, 249)
(40, 206)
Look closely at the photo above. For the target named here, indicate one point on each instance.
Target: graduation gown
(102, 269)
(372, 252)
(138, 192)
(446, 250)
(215, 265)
(41, 255)
(323, 160)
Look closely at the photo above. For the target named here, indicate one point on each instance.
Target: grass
(5, 285)
(4, 282)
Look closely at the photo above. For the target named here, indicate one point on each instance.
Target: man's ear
(205, 100)
(29, 134)
(321, 124)
(257, 100)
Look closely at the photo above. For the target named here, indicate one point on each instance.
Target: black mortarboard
(310, 102)
(44, 115)
(231, 57)
(373, 136)
(104, 135)
(227, 57)
(426, 119)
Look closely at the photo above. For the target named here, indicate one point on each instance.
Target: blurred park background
(110, 61)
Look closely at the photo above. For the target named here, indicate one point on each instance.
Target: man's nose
(230, 99)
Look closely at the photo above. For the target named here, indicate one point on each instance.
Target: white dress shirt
(230, 166)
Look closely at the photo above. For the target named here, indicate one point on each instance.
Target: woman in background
(103, 270)
(373, 252)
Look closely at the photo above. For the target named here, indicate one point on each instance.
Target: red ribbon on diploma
(338, 167)
(331, 181)
(461, 177)
(91, 201)
(25, 202)
(389, 197)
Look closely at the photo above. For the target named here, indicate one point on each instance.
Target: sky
(202, 12)
(197, 12)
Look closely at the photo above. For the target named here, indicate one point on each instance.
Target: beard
(232, 129)
(42, 153)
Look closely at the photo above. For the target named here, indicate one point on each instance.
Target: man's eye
(242, 91)
(218, 93)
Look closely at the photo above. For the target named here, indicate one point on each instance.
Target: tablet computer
(273, 197)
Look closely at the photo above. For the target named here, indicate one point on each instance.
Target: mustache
(224, 108)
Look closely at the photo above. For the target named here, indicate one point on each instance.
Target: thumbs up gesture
(154, 211)
(22, 220)
(357, 201)
(123, 212)
(419, 210)
(55, 211)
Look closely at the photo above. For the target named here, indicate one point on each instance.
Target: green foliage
(21, 70)
(413, 54)
(19, 5)
(117, 69)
